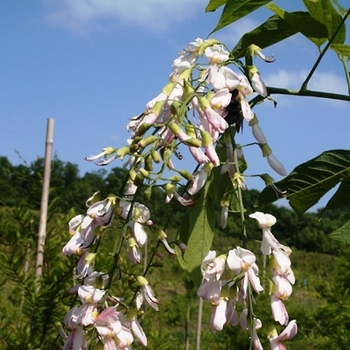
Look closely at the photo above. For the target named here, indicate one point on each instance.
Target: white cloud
(320, 81)
(79, 15)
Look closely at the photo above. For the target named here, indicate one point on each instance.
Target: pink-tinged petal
(243, 321)
(125, 338)
(255, 281)
(268, 242)
(76, 340)
(75, 223)
(108, 316)
(138, 332)
(73, 244)
(258, 85)
(279, 311)
(283, 261)
(276, 345)
(198, 155)
(216, 54)
(85, 313)
(139, 232)
(221, 99)
(248, 115)
(89, 294)
(148, 295)
(284, 288)
(264, 220)
(247, 256)
(218, 317)
(110, 344)
(209, 290)
(290, 331)
(234, 261)
(199, 181)
(212, 155)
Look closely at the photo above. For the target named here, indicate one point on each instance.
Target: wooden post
(44, 202)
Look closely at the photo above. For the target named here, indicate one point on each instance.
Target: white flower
(213, 267)
(242, 260)
(216, 54)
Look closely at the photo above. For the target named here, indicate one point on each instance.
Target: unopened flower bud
(155, 156)
(175, 178)
(276, 165)
(123, 151)
(190, 130)
(147, 141)
(144, 173)
(142, 129)
(185, 174)
(149, 163)
(182, 246)
(147, 193)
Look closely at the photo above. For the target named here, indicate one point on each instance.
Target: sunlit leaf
(310, 181)
(341, 9)
(214, 4)
(196, 231)
(341, 49)
(342, 233)
(303, 23)
(274, 30)
(324, 12)
(237, 9)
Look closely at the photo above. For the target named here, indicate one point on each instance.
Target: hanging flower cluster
(195, 109)
(200, 109)
(233, 302)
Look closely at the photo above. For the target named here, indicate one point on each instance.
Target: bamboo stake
(44, 202)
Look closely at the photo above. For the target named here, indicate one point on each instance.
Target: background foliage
(320, 299)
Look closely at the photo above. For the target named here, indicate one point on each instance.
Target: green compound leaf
(197, 231)
(304, 23)
(235, 10)
(310, 181)
(341, 49)
(324, 12)
(214, 4)
(342, 234)
(274, 30)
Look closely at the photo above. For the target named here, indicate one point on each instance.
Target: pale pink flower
(258, 85)
(289, 332)
(213, 267)
(269, 241)
(216, 54)
(220, 100)
(256, 340)
(279, 311)
(242, 260)
(146, 293)
(198, 155)
(218, 317)
(210, 290)
(133, 251)
(222, 77)
(76, 340)
(101, 212)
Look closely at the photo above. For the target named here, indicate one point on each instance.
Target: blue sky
(92, 64)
